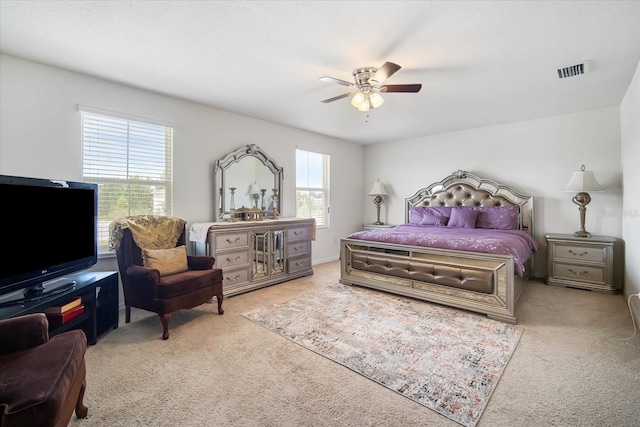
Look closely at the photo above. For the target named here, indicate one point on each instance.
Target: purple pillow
(463, 218)
(436, 220)
(416, 213)
(498, 217)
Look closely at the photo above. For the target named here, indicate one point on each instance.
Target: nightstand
(581, 262)
(373, 226)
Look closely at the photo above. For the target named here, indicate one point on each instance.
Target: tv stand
(44, 290)
(99, 292)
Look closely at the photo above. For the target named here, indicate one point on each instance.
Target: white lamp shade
(255, 189)
(376, 99)
(583, 181)
(377, 189)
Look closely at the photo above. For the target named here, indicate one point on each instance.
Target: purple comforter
(517, 243)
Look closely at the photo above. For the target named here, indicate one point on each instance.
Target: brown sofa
(42, 379)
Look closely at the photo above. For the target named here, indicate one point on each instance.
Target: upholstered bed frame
(479, 282)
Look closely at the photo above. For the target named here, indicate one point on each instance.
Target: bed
(467, 242)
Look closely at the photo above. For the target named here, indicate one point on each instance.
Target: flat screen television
(48, 230)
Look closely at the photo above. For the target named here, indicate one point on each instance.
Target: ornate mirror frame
(223, 175)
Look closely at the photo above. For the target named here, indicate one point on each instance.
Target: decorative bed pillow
(436, 220)
(463, 217)
(166, 261)
(498, 217)
(416, 213)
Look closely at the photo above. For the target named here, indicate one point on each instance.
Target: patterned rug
(445, 359)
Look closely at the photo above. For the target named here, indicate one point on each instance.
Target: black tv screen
(48, 230)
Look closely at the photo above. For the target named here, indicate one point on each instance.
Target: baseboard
(634, 303)
(325, 260)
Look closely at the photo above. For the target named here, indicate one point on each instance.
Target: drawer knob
(578, 254)
(579, 273)
(233, 279)
(231, 261)
(234, 241)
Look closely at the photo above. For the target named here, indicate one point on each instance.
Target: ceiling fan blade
(413, 88)
(335, 98)
(334, 80)
(384, 72)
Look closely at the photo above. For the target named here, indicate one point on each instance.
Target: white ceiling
(480, 62)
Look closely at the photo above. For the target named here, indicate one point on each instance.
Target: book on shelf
(57, 319)
(58, 309)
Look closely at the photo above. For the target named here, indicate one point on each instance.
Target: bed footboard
(483, 283)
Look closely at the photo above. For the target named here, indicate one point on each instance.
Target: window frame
(103, 137)
(323, 220)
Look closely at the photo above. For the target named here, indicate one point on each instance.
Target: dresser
(582, 262)
(254, 254)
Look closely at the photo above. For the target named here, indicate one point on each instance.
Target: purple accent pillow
(416, 213)
(498, 217)
(463, 218)
(436, 220)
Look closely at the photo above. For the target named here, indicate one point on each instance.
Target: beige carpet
(570, 369)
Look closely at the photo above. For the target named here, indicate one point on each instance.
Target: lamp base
(582, 233)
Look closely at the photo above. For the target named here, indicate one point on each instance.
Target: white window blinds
(312, 186)
(132, 163)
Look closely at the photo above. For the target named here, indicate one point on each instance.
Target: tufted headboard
(462, 188)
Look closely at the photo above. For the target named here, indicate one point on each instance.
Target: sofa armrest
(200, 262)
(22, 332)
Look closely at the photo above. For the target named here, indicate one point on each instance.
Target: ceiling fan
(367, 86)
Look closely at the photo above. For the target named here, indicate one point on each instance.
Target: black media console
(99, 292)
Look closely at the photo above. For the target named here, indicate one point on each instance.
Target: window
(132, 163)
(312, 186)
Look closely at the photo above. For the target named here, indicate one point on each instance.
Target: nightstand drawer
(580, 253)
(579, 272)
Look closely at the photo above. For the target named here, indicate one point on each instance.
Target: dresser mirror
(247, 178)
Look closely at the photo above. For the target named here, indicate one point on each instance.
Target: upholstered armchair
(156, 272)
(42, 379)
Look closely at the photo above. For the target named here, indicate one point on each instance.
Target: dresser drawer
(232, 259)
(231, 278)
(579, 272)
(298, 233)
(231, 240)
(298, 264)
(580, 253)
(297, 248)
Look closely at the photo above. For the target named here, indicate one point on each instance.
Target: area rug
(445, 359)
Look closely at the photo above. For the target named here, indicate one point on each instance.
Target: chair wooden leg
(164, 318)
(81, 410)
(127, 313)
(220, 297)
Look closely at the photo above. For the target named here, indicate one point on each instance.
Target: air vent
(573, 70)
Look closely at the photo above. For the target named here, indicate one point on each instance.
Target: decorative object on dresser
(157, 274)
(582, 182)
(378, 191)
(467, 242)
(256, 254)
(583, 263)
(248, 170)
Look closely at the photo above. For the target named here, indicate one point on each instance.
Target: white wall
(40, 137)
(536, 157)
(630, 129)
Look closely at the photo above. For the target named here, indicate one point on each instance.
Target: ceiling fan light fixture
(365, 100)
(358, 99)
(375, 99)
